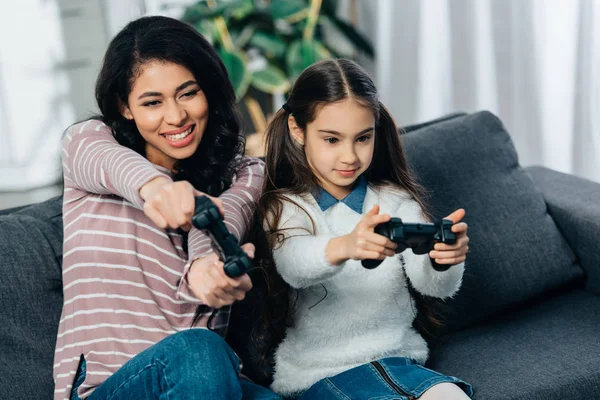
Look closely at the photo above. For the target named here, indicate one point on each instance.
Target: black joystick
(208, 219)
(420, 237)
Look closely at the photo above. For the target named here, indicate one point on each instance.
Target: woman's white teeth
(179, 136)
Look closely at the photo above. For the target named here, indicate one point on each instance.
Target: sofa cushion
(31, 299)
(549, 351)
(516, 251)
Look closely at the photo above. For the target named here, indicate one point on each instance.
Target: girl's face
(170, 111)
(338, 144)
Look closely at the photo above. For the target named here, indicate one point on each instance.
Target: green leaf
(199, 11)
(241, 9)
(224, 8)
(271, 45)
(241, 38)
(236, 64)
(285, 9)
(208, 29)
(353, 35)
(271, 80)
(301, 54)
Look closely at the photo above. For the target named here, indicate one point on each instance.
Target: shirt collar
(354, 200)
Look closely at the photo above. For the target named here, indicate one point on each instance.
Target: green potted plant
(265, 45)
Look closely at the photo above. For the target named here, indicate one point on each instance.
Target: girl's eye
(151, 103)
(364, 138)
(331, 140)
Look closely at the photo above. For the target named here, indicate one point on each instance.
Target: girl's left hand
(453, 253)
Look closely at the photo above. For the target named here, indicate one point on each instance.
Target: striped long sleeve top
(124, 279)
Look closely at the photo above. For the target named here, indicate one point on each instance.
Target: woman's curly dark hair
(210, 169)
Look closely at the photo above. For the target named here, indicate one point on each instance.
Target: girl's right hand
(363, 243)
(171, 204)
(212, 286)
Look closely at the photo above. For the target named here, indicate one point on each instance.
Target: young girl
(136, 275)
(335, 170)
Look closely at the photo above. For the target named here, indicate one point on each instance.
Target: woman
(137, 276)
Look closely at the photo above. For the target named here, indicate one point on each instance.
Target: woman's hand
(453, 253)
(171, 204)
(212, 286)
(362, 243)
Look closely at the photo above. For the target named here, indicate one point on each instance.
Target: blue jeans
(192, 364)
(392, 378)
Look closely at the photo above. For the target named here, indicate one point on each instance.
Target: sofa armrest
(574, 204)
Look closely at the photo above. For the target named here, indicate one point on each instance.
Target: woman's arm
(93, 161)
(239, 203)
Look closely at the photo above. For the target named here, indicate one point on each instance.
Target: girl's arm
(423, 277)
(304, 259)
(94, 162)
(239, 203)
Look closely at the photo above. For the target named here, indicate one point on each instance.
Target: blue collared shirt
(354, 200)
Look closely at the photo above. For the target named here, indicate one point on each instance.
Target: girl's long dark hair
(288, 173)
(210, 169)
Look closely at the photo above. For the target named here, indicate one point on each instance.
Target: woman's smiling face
(170, 111)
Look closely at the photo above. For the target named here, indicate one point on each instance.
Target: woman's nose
(175, 114)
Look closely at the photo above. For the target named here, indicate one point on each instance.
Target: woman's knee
(197, 347)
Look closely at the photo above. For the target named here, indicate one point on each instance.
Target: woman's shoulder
(90, 125)
(251, 164)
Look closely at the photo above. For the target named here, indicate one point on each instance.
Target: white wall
(34, 103)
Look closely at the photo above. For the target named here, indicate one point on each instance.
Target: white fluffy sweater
(367, 314)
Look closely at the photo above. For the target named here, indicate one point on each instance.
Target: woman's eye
(190, 94)
(363, 138)
(151, 103)
(331, 140)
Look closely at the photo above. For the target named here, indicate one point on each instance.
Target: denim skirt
(393, 378)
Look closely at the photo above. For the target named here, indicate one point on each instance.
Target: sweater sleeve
(94, 162)
(239, 203)
(419, 270)
(300, 258)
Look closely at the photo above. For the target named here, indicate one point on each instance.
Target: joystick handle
(208, 218)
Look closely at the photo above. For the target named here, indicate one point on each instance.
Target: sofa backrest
(30, 299)
(516, 251)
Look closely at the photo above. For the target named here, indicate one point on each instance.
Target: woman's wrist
(152, 186)
(335, 253)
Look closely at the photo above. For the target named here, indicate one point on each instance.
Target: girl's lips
(346, 173)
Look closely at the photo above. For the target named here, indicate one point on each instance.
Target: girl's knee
(444, 391)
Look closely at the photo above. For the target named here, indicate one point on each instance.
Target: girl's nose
(349, 156)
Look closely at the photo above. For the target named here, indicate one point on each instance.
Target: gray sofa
(525, 325)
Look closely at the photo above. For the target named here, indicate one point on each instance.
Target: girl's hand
(362, 243)
(171, 204)
(212, 286)
(453, 253)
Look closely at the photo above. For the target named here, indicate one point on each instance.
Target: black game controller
(420, 237)
(208, 219)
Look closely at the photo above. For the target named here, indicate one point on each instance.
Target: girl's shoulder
(391, 196)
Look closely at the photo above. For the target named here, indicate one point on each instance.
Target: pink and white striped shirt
(123, 277)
